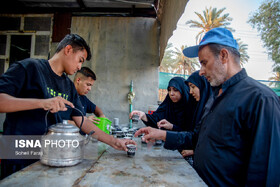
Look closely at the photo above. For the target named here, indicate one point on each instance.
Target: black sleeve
(264, 124)
(77, 103)
(90, 106)
(182, 140)
(152, 120)
(13, 80)
(176, 128)
(158, 115)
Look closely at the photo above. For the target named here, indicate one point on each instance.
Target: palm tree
(276, 67)
(184, 63)
(168, 59)
(211, 18)
(276, 70)
(275, 78)
(244, 57)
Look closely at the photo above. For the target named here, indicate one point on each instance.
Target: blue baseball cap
(216, 36)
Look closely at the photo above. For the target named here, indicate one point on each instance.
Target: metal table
(105, 166)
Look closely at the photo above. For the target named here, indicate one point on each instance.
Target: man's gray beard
(220, 74)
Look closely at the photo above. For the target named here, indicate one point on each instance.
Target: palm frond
(209, 19)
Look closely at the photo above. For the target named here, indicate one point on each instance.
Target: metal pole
(131, 104)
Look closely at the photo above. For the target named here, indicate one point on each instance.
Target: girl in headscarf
(200, 89)
(174, 113)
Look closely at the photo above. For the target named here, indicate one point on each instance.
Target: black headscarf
(205, 92)
(176, 113)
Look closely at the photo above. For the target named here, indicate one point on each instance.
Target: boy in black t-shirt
(31, 87)
(83, 81)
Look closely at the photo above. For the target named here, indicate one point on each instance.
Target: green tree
(276, 77)
(184, 65)
(266, 19)
(244, 57)
(211, 18)
(276, 68)
(168, 59)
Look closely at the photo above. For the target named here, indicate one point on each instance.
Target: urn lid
(64, 127)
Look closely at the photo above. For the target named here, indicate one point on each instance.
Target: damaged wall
(123, 49)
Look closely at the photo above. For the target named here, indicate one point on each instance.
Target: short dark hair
(216, 48)
(86, 72)
(76, 41)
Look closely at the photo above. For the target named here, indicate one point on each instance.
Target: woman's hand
(165, 124)
(185, 153)
(141, 115)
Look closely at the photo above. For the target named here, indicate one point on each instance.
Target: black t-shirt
(88, 106)
(34, 78)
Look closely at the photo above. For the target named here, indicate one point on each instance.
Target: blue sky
(259, 65)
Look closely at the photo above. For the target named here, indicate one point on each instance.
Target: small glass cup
(158, 142)
(127, 138)
(116, 122)
(135, 118)
(119, 134)
(131, 131)
(129, 135)
(131, 148)
(142, 140)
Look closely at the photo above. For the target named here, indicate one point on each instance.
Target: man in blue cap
(238, 143)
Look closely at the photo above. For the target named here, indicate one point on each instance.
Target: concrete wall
(123, 49)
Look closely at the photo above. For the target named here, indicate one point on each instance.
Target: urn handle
(65, 121)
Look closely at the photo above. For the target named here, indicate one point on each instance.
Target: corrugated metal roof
(144, 8)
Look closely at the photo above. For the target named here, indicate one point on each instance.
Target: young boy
(83, 81)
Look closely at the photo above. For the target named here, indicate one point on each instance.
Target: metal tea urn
(63, 145)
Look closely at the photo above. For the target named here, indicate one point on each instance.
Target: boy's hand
(94, 119)
(120, 144)
(56, 104)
